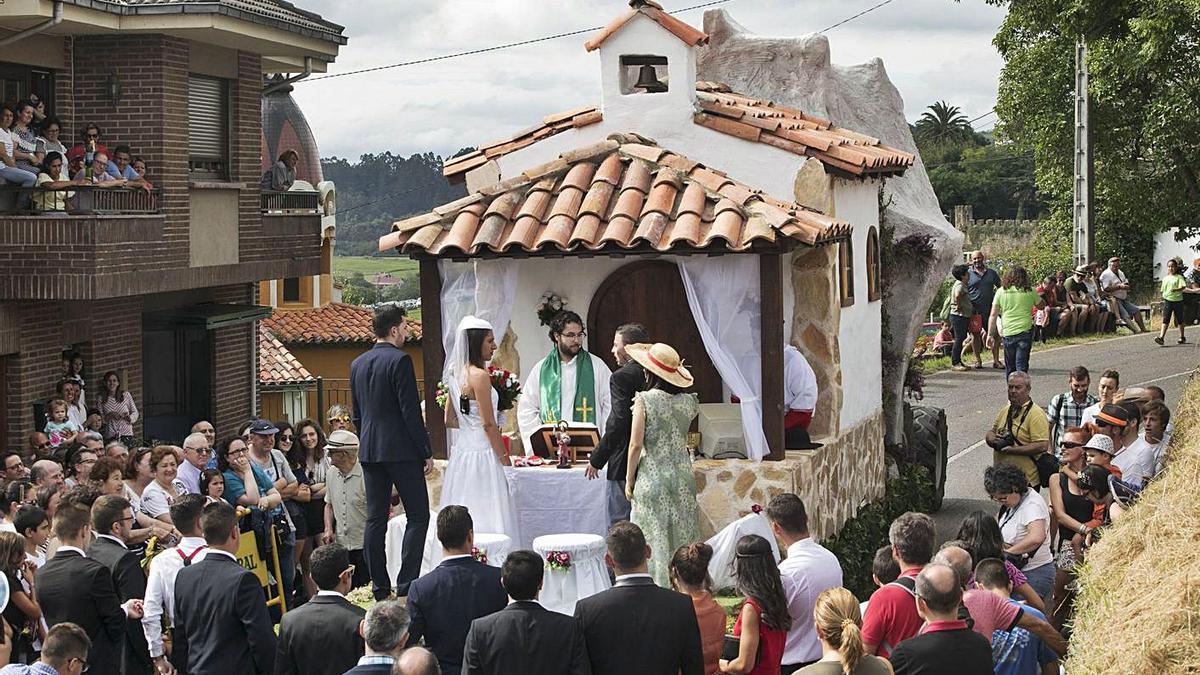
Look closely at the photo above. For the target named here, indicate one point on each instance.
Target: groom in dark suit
(112, 518)
(525, 637)
(393, 448)
(635, 626)
(627, 380)
(461, 589)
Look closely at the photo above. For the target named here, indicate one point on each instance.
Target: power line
(494, 48)
(848, 20)
(981, 160)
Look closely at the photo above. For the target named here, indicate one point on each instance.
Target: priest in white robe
(569, 384)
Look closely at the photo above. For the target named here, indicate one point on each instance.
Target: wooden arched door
(651, 293)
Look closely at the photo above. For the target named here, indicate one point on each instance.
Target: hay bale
(1138, 610)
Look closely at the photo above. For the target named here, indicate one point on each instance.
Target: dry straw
(1139, 607)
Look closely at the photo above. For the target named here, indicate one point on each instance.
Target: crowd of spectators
(32, 155)
(986, 310)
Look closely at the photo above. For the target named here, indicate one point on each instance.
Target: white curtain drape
(723, 294)
(484, 288)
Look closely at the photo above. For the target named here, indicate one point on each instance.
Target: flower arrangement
(443, 395)
(756, 508)
(549, 306)
(479, 554)
(507, 384)
(558, 560)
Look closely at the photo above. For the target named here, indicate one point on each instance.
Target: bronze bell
(648, 80)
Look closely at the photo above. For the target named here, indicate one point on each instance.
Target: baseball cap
(341, 439)
(1102, 443)
(263, 428)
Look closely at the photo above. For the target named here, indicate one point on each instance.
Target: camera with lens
(1003, 442)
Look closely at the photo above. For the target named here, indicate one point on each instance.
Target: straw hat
(663, 361)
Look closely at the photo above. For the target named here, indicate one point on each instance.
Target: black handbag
(1047, 466)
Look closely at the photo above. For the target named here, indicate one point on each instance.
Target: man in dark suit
(525, 637)
(461, 589)
(322, 635)
(112, 518)
(393, 448)
(627, 380)
(635, 626)
(221, 621)
(385, 634)
(73, 588)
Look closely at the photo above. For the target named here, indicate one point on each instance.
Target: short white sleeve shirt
(1014, 525)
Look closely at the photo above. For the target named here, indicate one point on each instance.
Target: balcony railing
(78, 200)
(291, 202)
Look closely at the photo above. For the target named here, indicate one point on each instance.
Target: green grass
(368, 266)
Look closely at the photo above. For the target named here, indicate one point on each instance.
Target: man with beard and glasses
(570, 384)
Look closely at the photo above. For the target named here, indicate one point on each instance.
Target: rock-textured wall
(797, 72)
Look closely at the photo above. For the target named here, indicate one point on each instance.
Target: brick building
(165, 293)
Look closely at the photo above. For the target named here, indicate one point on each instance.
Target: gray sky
(932, 49)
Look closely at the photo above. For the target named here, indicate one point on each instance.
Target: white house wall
(860, 336)
(1165, 248)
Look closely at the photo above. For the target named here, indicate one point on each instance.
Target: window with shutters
(846, 272)
(874, 266)
(208, 127)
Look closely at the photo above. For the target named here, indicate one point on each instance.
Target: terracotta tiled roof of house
(654, 12)
(721, 109)
(755, 119)
(551, 125)
(620, 194)
(332, 324)
(276, 365)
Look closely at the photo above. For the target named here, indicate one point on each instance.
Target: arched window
(846, 271)
(874, 266)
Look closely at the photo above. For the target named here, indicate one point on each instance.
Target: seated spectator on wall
(97, 174)
(139, 167)
(24, 139)
(48, 141)
(122, 158)
(282, 173)
(9, 170)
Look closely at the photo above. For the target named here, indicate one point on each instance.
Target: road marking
(975, 446)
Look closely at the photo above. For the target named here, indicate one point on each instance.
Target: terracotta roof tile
(613, 196)
(653, 11)
(335, 323)
(276, 365)
(849, 152)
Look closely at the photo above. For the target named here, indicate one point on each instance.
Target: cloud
(933, 50)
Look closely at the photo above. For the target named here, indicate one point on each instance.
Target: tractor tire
(929, 444)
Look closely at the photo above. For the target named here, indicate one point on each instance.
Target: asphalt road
(971, 400)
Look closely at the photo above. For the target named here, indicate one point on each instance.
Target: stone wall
(816, 321)
(992, 235)
(833, 480)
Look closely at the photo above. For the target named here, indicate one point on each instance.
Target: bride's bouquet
(507, 385)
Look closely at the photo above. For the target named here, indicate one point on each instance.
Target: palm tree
(943, 122)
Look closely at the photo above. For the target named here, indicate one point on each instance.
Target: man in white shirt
(569, 384)
(195, 458)
(808, 570)
(1114, 282)
(800, 397)
(1106, 389)
(160, 586)
(1156, 420)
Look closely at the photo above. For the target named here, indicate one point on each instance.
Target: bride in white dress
(475, 474)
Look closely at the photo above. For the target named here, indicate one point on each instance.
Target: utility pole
(1084, 192)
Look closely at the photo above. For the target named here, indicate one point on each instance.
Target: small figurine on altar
(564, 442)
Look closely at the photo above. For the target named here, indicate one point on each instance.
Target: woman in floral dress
(659, 481)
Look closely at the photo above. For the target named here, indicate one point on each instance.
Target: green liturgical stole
(550, 386)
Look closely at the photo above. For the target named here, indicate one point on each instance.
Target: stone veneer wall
(833, 481)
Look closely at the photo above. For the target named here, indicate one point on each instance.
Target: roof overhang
(283, 46)
(208, 316)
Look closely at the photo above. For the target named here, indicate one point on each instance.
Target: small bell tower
(648, 68)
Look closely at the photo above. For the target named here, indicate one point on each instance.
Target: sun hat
(1101, 443)
(1114, 414)
(341, 440)
(1082, 269)
(662, 360)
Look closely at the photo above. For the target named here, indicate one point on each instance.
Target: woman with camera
(1025, 525)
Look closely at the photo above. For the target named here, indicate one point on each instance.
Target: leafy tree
(943, 122)
(1145, 90)
(356, 290)
(996, 180)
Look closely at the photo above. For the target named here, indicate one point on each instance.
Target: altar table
(557, 501)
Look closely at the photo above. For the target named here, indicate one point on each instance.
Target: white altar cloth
(555, 501)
